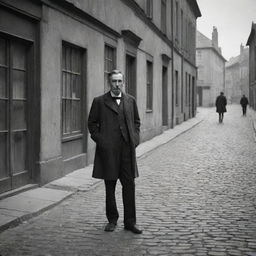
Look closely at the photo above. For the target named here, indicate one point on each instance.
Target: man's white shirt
(117, 100)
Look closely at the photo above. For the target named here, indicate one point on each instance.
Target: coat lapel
(110, 103)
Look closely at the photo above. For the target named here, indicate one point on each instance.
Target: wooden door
(14, 170)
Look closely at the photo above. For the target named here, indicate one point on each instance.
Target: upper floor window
(177, 20)
(163, 16)
(149, 8)
(181, 28)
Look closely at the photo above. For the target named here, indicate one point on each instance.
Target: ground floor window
(72, 91)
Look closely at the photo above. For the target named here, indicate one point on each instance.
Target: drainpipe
(172, 50)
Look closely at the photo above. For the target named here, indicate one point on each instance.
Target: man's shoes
(110, 227)
(133, 229)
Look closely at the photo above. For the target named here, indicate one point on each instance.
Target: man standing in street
(220, 104)
(244, 102)
(114, 125)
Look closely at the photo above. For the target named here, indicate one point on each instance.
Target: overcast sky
(233, 19)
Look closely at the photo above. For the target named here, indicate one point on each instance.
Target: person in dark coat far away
(114, 125)
(244, 102)
(220, 104)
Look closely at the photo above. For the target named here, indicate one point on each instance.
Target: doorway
(164, 97)
(14, 118)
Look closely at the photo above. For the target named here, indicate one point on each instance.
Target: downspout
(172, 50)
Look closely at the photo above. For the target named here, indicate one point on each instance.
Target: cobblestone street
(196, 195)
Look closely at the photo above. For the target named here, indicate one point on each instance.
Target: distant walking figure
(220, 104)
(244, 102)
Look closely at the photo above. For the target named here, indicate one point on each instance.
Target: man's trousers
(128, 190)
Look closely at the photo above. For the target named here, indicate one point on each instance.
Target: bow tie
(116, 98)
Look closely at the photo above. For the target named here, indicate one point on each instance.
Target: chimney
(241, 49)
(215, 38)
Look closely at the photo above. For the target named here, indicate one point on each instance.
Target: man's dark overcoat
(103, 124)
(244, 101)
(220, 104)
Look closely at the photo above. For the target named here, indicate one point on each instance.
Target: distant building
(237, 76)
(211, 69)
(252, 66)
(55, 57)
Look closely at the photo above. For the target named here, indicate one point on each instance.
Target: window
(72, 59)
(186, 88)
(181, 27)
(163, 16)
(149, 8)
(109, 63)
(177, 20)
(177, 87)
(182, 94)
(130, 77)
(254, 62)
(149, 85)
(165, 96)
(189, 90)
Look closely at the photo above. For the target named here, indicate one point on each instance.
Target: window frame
(149, 86)
(164, 16)
(177, 88)
(74, 134)
(149, 9)
(106, 72)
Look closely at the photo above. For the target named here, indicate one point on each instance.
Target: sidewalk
(20, 207)
(252, 115)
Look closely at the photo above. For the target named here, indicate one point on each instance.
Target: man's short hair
(115, 72)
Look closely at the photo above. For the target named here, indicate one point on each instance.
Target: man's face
(116, 83)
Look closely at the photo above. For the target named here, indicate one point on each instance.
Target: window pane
(68, 85)
(149, 85)
(64, 130)
(19, 84)
(19, 115)
(3, 111)
(3, 90)
(3, 52)
(76, 87)
(3, 155)
(76, 64)
(109, 58)
(64, 80)
(19, 151)
(76, 108)
(68, 58)
(63, 58)
(19, 56)
(106, 87)
(68, 116)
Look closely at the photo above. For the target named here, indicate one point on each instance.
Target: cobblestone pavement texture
(196, 195)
